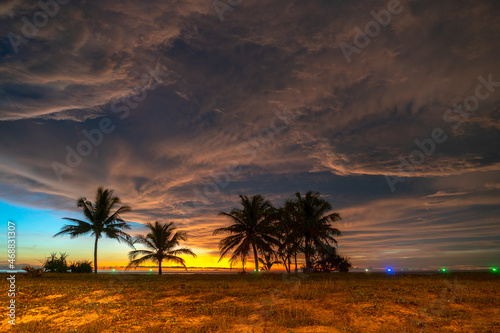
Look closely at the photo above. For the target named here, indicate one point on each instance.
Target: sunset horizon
(250, 166)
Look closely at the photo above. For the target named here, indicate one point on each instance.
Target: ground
(335, 302)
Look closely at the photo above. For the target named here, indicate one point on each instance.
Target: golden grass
(461, 302)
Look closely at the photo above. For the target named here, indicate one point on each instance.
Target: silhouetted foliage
(329, 260)
(32, 272)
(251, 229)
(102, 221)
(55, 264)
(314, 224)
(268, 261)
(302, 225)
(161, 241)
(83, 266)
(288, 234)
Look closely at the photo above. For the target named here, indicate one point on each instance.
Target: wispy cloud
(351, 123)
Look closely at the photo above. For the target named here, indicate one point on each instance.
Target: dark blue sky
(395, 122)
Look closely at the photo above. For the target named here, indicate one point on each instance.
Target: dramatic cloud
(179, 111)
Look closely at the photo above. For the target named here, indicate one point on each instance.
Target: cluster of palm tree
(161, 242)
(279, 234)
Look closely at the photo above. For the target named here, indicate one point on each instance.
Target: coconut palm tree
(288, 233)
(162, 242)
(102, 219)
(251, 228)
(315, 221)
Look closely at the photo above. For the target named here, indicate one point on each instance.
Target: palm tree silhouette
(161, 241)
(314, 223)
(251, 228)
(101, 220)
(289, 233)
(268, 261)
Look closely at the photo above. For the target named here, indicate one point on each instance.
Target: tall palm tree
(288, 232)
(315, 223)
(161, 242)
(101, 220)
(251, 228)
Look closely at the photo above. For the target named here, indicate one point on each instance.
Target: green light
(494, 269)
(150, 270)
(113, 269)
(443, 269)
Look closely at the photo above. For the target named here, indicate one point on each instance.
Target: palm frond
(136, 262)
(81, 228)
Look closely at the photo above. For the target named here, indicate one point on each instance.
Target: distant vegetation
(302, 225)
(274, 235)
(33, 272)
(55, 264)
(83, 266)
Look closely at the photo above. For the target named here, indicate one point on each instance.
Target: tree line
(303, 225)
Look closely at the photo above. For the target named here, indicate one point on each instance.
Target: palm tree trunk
(296, 270)
(159, 267)
(307, 255)
(256, 259)
(95, 254)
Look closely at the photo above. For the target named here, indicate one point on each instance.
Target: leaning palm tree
(101, 220)
(314, 223)
(251, 229)
(161, 242)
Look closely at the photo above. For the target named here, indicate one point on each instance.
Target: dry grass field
(353, 302)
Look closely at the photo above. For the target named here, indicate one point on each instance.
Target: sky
(389, 109)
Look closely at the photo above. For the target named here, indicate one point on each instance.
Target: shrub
(330, 260)
(32, 272)
(54, 264)
(83, 266)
